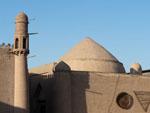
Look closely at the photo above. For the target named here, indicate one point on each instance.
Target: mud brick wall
(6, 80)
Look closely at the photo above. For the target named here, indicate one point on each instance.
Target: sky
(121, 26)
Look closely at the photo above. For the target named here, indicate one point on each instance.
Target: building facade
(88, 79)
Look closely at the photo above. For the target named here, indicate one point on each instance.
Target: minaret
(21, 50)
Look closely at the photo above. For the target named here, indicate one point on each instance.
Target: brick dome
(90, 56)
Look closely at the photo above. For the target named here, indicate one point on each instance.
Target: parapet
(3, 45)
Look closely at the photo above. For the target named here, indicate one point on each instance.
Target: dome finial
(22, 17)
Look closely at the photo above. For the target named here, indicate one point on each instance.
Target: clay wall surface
(41, 93)
(79, 85)
(99, 93)
(6, 81)
(138, 88)
(51, 93)
(91, 92)
(62, 92)
(105, 89)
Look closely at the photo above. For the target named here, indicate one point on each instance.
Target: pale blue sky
(121, 26)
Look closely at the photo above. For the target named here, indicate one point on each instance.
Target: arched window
(16, 43)
(24, 43)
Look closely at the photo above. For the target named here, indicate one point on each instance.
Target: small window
(16, 43)
(24, 43)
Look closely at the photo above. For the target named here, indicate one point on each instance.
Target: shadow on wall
(79, 85)
(62, 92)
(41, 96)
(5, 108)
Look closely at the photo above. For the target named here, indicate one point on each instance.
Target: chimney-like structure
(21, 50)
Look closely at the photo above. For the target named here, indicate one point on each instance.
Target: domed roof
(90, 56)
(21, 17)
(136, 68)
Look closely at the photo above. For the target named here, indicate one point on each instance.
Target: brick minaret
(21, 50)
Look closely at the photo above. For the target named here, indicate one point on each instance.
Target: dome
(21, 17)
(136, 69)
(90, 56)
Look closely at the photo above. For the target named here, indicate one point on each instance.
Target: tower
(21, 50)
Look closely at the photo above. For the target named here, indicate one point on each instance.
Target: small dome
(136, 69)
(90, 56)
(21, 17)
